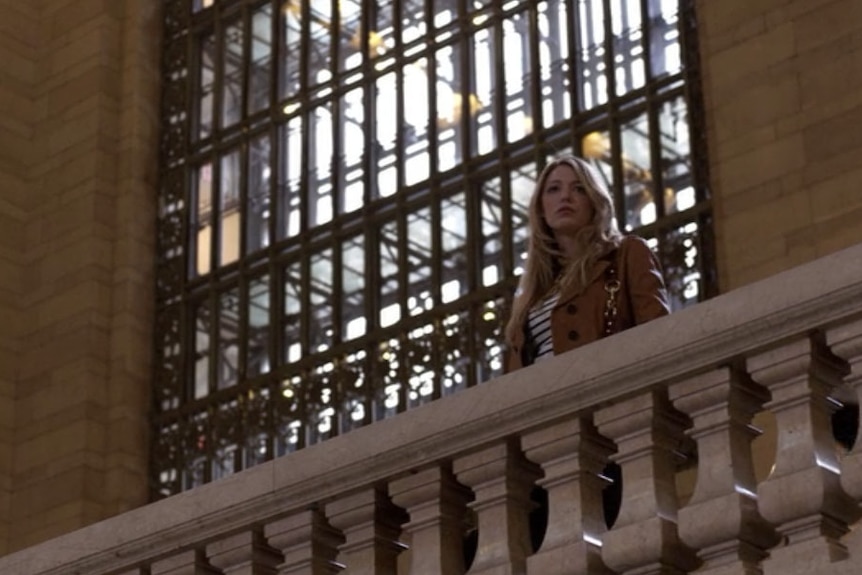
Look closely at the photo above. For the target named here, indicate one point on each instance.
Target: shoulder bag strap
(612, 288)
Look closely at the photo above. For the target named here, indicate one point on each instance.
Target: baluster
(846, 343)
(644, 539)
(370, 524)
(722, 520)
(803, 497)
(501, 479)
(436, 504)
(572, 454)
(308, 543)
(191, 562)
(245, 553)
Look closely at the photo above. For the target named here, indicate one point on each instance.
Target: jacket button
(572, 308)
(573, 335)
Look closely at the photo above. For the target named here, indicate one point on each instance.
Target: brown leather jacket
(578, 318)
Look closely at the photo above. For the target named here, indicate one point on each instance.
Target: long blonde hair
(546, 263)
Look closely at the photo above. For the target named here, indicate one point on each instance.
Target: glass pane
(258, 207)
(415, 127)
(321, 300)
(390, 306)
(387, 372)
(260, 71)
(258, 357)
(484, 82)
(229, 208)
(291, 60)
(227, 358)
(626, 22)
(293, 351)
(419, 252)
(679, 193)
(489, 335)
(321, 30)
(353, 320)
(202, 219)
(387, 127)
(455, 352)
(492, 238)
(664, 39)
(523, 182)
(516, 56)
(350, 379)
(320, 187)
(450, 105)
(207, 85)
(320, 410)
(680, 256)
(591, 53)
(638, 185)
(290, 202)
(351, 25)
(203, 325)
(353, 130)
(418, 359)
(553, 62)
(232, 68)
(453, 241)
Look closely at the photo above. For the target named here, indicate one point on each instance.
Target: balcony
(671, 402)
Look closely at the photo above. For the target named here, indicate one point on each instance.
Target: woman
(583, 279)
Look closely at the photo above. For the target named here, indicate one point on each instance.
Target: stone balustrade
(450, 487)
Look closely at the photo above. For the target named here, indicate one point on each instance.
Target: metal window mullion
(466, 64)
(653, 126)
(614, 124)
(336, 168)
(646, 43)
(431, 70)
(535, 84)
(499, 78)
(694, 99)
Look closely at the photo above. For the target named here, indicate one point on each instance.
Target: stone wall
(783, 90)
(86, 229)
(17, 75)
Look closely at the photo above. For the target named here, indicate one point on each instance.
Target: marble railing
(396, 497)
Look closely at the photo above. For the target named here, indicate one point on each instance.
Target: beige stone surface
(783, 106)
(78, 147)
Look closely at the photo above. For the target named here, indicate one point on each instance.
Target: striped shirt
(539, 327)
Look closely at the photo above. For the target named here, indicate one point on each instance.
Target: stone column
(308, 543)
(644, 539)
(370, 524)
(846, 342)
(436, 504)
(721, 520)
(245, 553)
(191, 562)
(571, 454)
(803, 497)
(501, 479)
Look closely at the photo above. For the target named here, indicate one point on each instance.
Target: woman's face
(566, 207)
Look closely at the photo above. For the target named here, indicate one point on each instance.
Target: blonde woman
(583, 280)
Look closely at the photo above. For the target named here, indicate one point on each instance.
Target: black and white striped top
(539, 327)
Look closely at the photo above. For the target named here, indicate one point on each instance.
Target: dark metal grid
(355, 381)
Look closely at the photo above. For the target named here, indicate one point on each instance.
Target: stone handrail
(359, 501)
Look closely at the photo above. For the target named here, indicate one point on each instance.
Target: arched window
(344, 198)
